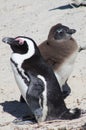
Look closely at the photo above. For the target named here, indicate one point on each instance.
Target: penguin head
(21, 45)
(61, 33)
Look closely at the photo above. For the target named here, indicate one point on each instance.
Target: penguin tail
(71, 114)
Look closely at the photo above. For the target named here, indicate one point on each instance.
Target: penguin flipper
(33, 96)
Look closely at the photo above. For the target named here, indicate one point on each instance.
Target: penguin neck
(66, 47)
(62, 51)
(20, 58)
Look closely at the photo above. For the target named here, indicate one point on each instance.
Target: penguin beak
(71, 31)
(8, 40)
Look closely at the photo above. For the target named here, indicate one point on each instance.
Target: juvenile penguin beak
(71, 31)
(8, 40)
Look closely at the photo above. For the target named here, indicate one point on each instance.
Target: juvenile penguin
(37, 82)
(60, 51)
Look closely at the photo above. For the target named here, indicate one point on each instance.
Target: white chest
(20, 81)
(65, 69)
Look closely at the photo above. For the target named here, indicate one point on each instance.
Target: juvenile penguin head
(21, 45)
(60, 33)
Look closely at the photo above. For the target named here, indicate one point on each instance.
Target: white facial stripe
(19, 58)
(45, 107)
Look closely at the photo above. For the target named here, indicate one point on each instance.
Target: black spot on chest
(20, 72)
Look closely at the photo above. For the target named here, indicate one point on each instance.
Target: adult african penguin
(60, 51)
(37, 82)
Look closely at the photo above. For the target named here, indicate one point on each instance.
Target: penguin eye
(60, 31)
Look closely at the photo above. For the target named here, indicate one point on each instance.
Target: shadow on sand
(16, 108)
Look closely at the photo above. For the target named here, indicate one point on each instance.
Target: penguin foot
(71, 114)
(25, 120)
(38, 114)
(37, 117)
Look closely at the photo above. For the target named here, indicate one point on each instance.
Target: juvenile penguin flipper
(66, 90)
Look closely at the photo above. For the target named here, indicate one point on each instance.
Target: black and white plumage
(60, 51)
(77, 3)
(37, 82)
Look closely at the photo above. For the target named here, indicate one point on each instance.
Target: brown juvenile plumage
(56, 53)
(60, 51)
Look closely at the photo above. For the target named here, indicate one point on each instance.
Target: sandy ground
(34, 18)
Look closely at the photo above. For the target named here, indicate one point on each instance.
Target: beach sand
(34, 18)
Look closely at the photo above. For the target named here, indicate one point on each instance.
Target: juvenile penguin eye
(59, 31)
